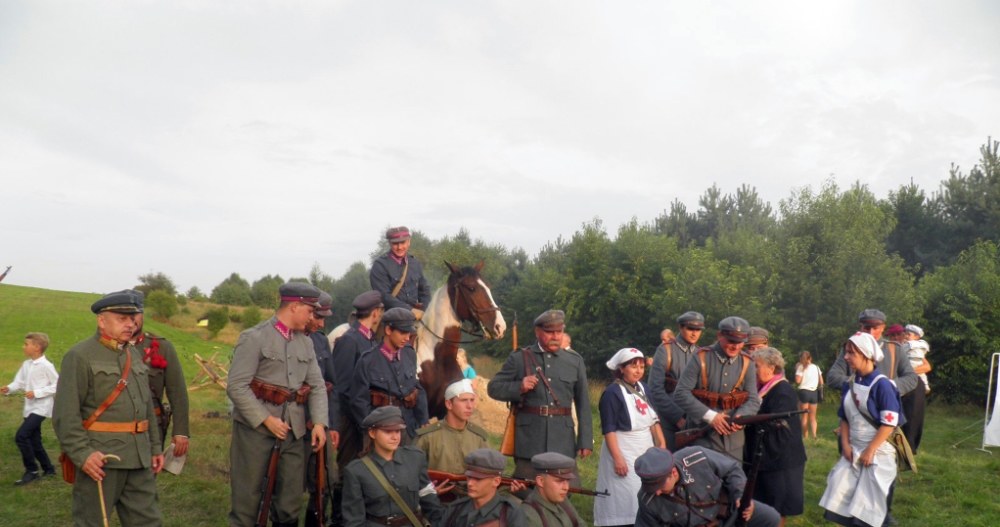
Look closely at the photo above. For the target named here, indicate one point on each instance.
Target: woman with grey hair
(783, 460)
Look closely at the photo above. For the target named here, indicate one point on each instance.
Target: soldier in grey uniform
(398, 266)
(273, 377)
(449, 441)
(403, 469)
(484, 506)
(90, 372)
(321, 346)
(720, 382)
(668, 364)
(684, 489)
(543, 381)
(387, 375)
(165, 377)
(548, 504)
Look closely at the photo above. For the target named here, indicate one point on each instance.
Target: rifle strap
(670, 356)
(119, 388)
(402, 279)
(380, 477)
(704, 370)
(529, 352)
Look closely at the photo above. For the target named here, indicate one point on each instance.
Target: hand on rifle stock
(277, 427)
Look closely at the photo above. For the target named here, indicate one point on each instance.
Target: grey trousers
(130, 492)
(249, 454)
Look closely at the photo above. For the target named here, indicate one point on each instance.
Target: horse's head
(473, 301)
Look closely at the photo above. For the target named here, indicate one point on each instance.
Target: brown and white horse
(465, 298)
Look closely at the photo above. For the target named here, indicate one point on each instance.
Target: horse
(465, 298)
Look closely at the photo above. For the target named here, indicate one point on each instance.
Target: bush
(182, 300)
(217, 319)
(235, 317)
(252, 316)
(161, 304)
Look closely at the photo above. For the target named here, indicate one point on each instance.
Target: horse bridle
(476, 312)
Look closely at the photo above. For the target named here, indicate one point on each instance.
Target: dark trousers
(914, 406)
(29, 442)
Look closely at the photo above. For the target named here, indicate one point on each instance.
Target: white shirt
(810, 377)
(39, 376)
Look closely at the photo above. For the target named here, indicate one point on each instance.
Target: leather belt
(544, 411)
(131, 427)
(391, 521)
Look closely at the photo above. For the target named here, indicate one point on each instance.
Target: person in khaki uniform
(165, 377)
(448, 442)
(484, 506)
(548, 505)
(91, 371)
(274, 375)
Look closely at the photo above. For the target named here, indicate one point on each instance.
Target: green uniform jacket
(406, 472)
(555, 515)
(262, 352)
(169, 380)
(537, 433)
(89, 373)
(446, 447)
(462, 513)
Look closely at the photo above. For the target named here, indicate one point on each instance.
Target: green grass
(955, 486)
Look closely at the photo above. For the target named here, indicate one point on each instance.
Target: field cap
(458, 388)
(758, 335)
(400, 319)
(624, 355)
(300, 292)
(385, 418)
(653, 467)
(367, 302)
(915, 329)
(484, 463)
(554, 464)
(551, 320)
(692, 319)
(872, 317)
(126, 301)
(325, 304)
(734, 329)
(397, 234)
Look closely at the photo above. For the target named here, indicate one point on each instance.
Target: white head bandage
(458, 388)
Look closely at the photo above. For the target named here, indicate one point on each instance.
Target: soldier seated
(484, 506)
(547, 505)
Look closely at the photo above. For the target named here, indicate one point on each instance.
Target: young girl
(858, 485)
(809, 378)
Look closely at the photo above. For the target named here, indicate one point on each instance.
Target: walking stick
(100, 489)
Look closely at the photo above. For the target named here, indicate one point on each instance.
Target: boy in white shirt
(37, 379)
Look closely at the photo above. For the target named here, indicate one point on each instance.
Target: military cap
(127, 301)
(872, 317)
(552, 319)
(554, 464)
(915, 329)
(692, 319)
(653, 467)
(758, 335)
(400, 319)
(397, 234)
(325, 304)
(734, 329)
(300, 292)
(484, 463)
(386, 418)
(367, 302)
(895, 329)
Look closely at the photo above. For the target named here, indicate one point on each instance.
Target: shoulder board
(478, 430)
(433, 427)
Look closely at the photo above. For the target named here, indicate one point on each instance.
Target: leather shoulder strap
(119, 388)
(410, 515)
(402, 278)
(704, 370)
(743, 372)
(569, 512)
(892, 360)
(670, 356)
(541, 513)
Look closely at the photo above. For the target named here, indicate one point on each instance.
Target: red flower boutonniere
(153, 356)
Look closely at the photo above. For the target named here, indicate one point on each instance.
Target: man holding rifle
(273, 377)
(484, 506)
(542, 382)
(548, 505)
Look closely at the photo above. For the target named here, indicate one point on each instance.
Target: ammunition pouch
(721, 401)
(68, 468)
(279, 395)
(381, 398)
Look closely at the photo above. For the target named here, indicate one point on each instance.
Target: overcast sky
(204, 137)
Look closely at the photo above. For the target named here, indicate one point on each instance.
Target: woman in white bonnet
(858, 485)
(630, 427)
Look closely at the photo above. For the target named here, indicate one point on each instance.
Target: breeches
(248, 457)
(131, 492)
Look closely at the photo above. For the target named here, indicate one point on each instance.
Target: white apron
(854, 490)
(622, 505)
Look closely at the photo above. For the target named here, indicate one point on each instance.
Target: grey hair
(770, 356)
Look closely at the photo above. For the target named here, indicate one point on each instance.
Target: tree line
(803, 270)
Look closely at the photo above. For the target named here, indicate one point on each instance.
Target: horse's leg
(436, 376)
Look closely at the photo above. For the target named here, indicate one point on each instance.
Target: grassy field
(955, 486)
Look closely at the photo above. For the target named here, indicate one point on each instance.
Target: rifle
(690, 435)
(320, 485)
(270, 478)
(438, 475)
(748, 489)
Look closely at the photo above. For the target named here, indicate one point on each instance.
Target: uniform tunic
(406, 472)
(664, 403)
(555, 515)
(463, 513)
(536, 434)
(704, 476)
(397, 378)
(169, 380)
(263, 352)
(446, 447)
(385, 274)
(90, 371)
(346, 352)
(723, 372)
